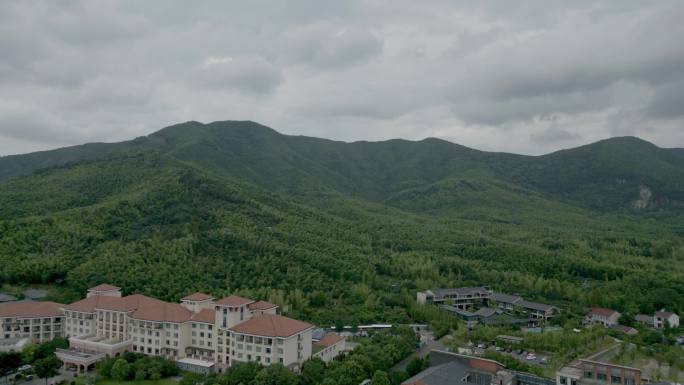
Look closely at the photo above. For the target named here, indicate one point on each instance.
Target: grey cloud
(530, 77)
(252, 74)
(667, 101)
(553, 135)
(330, 45)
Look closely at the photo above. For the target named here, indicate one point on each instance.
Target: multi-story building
(200, 333)
(27, 321)
(602, 316)
(462, 297)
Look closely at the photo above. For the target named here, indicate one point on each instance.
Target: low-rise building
(329, 347)
(663, 319)
(448, 368)
(462, 297)
(588, 372)
(602, 316)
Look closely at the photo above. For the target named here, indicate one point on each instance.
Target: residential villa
(492, 308)
(200, 333)
(602, 316)
(462, 297)
(660, 320)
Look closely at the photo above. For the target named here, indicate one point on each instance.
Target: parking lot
(532, 358)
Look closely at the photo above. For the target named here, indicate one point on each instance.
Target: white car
(531, 357)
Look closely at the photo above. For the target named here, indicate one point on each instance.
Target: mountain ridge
(609, 174)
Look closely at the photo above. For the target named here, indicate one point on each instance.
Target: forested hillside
(346, 231)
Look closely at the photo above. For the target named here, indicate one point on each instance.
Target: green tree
(415, 366)
(275, 374)
(9, 361)
(241, 373)
(47, 367)
(121, 370)
(313, 371)
(380, 378)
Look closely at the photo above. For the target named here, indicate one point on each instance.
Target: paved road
(424, 350)
(41, 381)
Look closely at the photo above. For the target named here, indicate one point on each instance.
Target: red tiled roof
(271, 325)
(261, 305)
(104, 287)
(234, 301)
(151, 309)
(197, 297)
(330, 339)
(205, 315)
(140, 306)
(31, 309)
(602, 311)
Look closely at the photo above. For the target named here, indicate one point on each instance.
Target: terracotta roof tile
(330, 339)
(205, 315)
(271, 325)
(261, 305)
(602, 311)
(197, 297)
(31, 309)
(104, 287)
(234, 301)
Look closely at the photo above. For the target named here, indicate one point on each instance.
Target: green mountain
(346, 230)
(619, 173)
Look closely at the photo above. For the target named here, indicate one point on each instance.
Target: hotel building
(201, 333)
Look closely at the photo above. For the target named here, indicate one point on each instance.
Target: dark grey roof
(460, 291)
(445, 374)
(486, 312)
(506, 298)
(536, 305)
(7, 297)
(648, 319)
(461, 312)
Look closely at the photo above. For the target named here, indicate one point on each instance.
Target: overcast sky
(517, 76)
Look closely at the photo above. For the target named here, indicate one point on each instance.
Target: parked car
(543, 360)
(498, 348)
(531, 357)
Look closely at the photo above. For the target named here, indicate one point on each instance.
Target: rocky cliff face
(645, 198)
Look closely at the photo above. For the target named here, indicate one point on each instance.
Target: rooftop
(506, 298)
(30, 309)
(104, 287)
(461, 291)
(664, 314)
(197, 297)
(536, 305)
(139, 306)
(271, 325)
(205, 315)
(330, 339)
(234, 301)
(261, 305)
(603, 311)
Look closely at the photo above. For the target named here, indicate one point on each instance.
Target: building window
(563, 381)
(615, 379)
(588, 374)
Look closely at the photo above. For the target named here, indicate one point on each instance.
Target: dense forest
(346, 232)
